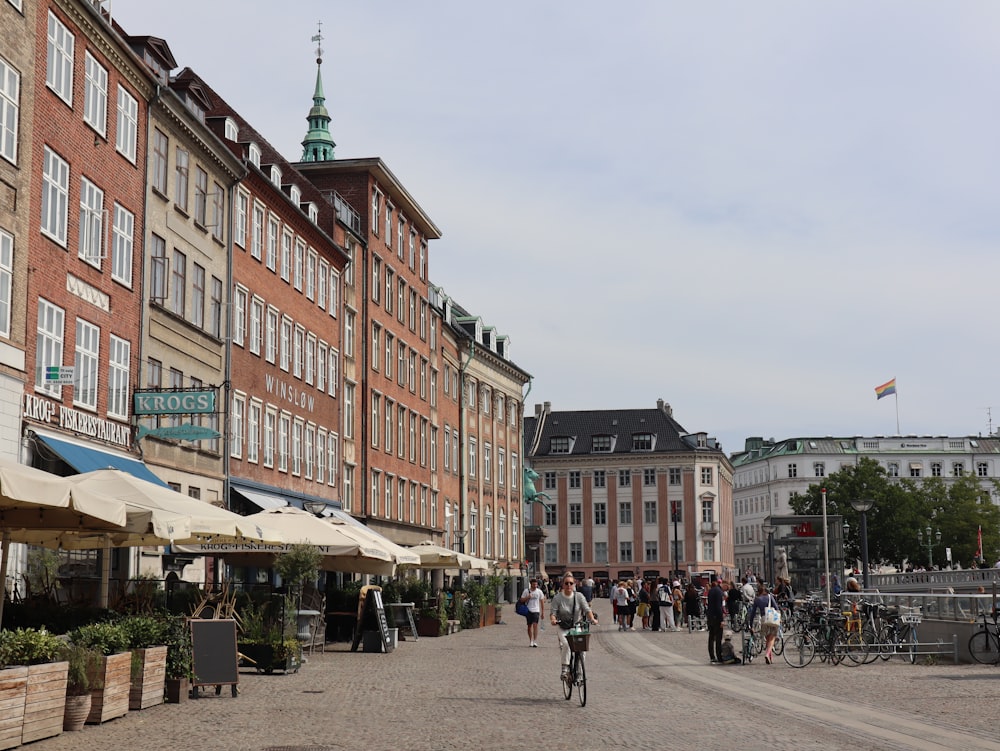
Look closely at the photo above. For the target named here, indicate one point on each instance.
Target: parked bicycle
(984, 644)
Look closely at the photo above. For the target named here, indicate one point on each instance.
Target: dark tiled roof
(581, 427)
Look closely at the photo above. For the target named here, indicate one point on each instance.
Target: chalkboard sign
(371, 617)
(216, 659)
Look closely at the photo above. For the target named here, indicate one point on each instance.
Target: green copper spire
(318, 144)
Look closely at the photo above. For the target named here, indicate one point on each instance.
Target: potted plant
(45, 681)
(297, 566)
(433, 618)
(267, 639)
(110, 680)
(80, 662)
(146, 637)
(179, 666)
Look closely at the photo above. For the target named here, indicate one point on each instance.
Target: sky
(756, 211)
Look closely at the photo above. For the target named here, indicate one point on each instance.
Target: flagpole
(896, 394)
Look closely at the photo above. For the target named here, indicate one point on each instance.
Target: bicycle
(984, 644)
(578, 639)
(899, 636)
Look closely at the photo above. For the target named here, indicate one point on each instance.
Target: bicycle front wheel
(581, 679)
(857, 649)
(984, 648)
(908, 645)
(798, 649)
(567, 680)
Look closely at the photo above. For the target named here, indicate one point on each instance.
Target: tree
(957, 508)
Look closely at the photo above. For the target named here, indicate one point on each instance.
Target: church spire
(318, 144)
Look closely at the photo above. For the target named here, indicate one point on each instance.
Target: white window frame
(253, 430)
(91, 237)
(49, 344)
(86, 361)
(122, 245)
(55, 196)
(95, 94)
(10, 113)
(256, 324)
(119, 365)
(59, 59)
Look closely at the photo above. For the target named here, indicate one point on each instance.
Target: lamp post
(769, 530)
(674, 517)
(931, 542)
(316, 508)
(863, 506)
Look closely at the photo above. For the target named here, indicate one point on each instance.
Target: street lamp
(826, 549)
(316, 508)
(675, 513)
(863, 506)
(930, 543)
(769, 530)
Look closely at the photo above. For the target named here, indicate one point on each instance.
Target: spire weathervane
(318, 38)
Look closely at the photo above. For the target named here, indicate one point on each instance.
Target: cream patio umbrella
(34, 500)
(436, 556)
(341, 550)
(401, 556)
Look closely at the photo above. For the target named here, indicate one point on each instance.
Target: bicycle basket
(909, 615)
(578, 642)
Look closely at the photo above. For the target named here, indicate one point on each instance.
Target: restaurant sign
(158, 402)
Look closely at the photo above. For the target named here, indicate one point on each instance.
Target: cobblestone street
(485, 688)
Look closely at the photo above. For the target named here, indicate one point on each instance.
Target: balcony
(709, 529)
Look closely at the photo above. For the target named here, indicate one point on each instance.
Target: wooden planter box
(13, 687)
(115, 674)
(488, 615)
(148, 678)
(428, 626)
(177, 690)
(45, 701)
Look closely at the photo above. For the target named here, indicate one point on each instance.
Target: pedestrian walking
(715, 615)
(665, 604)
(768, 630)
(534, 598)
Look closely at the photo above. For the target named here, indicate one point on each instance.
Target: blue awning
(86, 459)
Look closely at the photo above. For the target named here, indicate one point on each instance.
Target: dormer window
(642, 442)
(559, 444)
(276, 175)
(295, 193)
(232, 130)
(254, 155)
(313, 211)
(601, 444)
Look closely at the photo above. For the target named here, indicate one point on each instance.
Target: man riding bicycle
(565, 610)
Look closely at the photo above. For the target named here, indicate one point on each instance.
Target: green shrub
(143, 631)
(82, 662)
(177, 639)
(104, 638)
(28, 646)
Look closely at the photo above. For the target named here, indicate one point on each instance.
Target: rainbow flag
(886, 389)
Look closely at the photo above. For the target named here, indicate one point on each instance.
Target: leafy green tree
(901, 508)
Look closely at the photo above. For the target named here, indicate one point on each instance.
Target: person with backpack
(665, 603)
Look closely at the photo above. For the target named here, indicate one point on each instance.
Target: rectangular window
(624, 478)
(649, 477)
(218, 210)
(270, 423)
(157, 269)
(559, 445)
(6, 281)
(936, 469)
(256, 323)
(310, 358)
(600, 514)
(706, 475)
(600, 478)
(676, 512)
(652, 551)
(161, 146)
(600, 552)
(793, 470)
(215, 309)
(601, 443)
(239, 315)
(576, 552)
(575, 514)
(286, 343)
(707, 512)
(348, 489)
(333, 459)
(253, 432)
(59, 60)
(298, 351)
(298, 269)
(178, 283)
(348, 410)
(198, 295)
(625, 552)
(674, 476)
(550, 480)
(957, 469)
(127, 121)
(85, 362)
(349, 333)
(551, 518)
(55, 196)
(321, 359)
(819, 469)
(297, 427)
(121, 245)
(200, 196)
(982, 469)
(91, 241)
(236, 426)
(376, 422)
(257, 231)
(649, 512)
(708, 550)
(574, 479)
(624, 512)
(284, 428)
(119, 362)
(181, 158)
(311, 276)
(241, 216)
(95, 94)
(10, 98)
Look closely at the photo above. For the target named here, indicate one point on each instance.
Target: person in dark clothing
(715, 614)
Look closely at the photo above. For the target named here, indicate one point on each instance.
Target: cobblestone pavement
(487, 689)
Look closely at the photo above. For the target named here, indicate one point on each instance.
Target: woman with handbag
(770, 615)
